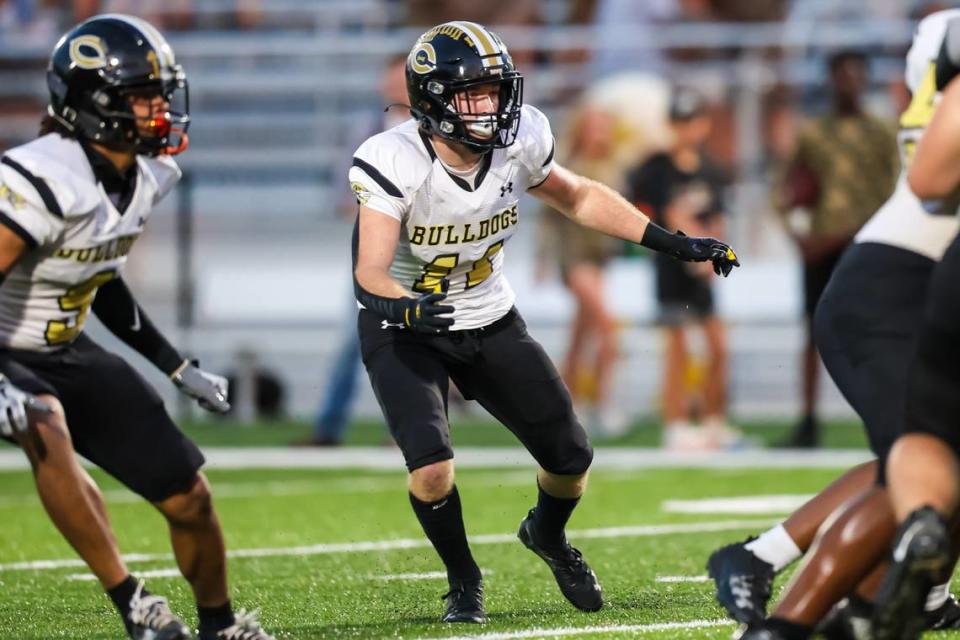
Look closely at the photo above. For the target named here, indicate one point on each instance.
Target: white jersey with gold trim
(453, 227)
(76, 238)
(904, 221)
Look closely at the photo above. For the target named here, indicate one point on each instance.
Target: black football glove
(722, 256)
(426, 315)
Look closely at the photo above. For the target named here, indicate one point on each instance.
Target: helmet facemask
(479, 130)
(156, 134)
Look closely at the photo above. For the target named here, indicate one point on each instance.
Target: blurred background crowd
(769, 123)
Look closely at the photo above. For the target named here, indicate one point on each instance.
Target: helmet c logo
(87, 52)
(423, 59)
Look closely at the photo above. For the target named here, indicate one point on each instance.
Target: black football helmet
(98, 66)
(450, 58)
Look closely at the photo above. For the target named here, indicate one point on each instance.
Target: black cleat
(920, 552)
(577, 581)
(848, 620)
(245, 627)
(744, 582)
(758, 633)
(946, 616)
(150, 618)
(465, 603)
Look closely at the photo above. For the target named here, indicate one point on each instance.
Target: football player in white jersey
(72, 204)
(866, 329)
(438, 202)
(923, 468)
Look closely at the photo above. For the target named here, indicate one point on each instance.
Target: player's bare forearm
(592, 204)
(12, 247)
(935, 170)
(377, 242)
(378, 281)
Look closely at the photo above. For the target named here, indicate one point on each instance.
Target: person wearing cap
(843, 167)
(681, 188)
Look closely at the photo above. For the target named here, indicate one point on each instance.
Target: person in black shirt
(681, 189)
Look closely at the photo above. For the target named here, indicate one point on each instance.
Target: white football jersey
(452, 228)
(904, 221)
(76, 238)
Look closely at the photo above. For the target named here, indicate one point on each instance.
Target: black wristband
(393, 309)
(659, 239)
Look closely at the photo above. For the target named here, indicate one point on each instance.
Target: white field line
(415, 543)
(565, 632)
(158, 573)
(173, 572)
(429, 575)
(234, 490)
(740, 505)
(379, 458)
(674, 579)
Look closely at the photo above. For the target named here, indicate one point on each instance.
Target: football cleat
(150, 618)
(848, 620)
(244, 627)
(465, 603)
(744, 582)
(759, 633)
(946, 616)
(920, 552)
(576, 579)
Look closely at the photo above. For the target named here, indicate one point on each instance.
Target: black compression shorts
(116, 419)
(865, 329)
(500, 366)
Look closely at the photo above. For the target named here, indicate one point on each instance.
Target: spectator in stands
(581, 255)
(681, 190)
(842, 169)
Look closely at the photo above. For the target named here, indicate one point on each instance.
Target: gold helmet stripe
(483, 41)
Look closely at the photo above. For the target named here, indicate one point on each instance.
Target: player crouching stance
(73, 203)
(438, 200)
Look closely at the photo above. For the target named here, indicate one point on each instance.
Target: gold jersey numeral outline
(78, 298)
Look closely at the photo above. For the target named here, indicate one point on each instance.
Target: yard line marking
(378, 458)
(671, 579)
(636, 531)
(739, 505)
(586, 631)
(159, 573)
(279, 488)
(429, 575)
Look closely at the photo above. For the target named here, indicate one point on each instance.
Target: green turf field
(352, 591)
(480, 430)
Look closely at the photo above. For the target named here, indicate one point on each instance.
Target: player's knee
(52, 426)
(433, 481)
(575, 460)
(191, 507)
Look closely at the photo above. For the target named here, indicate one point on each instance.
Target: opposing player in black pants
(438, 200)
(923, 469)
(865, 328)
(72, 204)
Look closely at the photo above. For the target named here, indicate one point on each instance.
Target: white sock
(775, 547)
(938, 595)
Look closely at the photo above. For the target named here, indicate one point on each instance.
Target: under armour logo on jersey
(386, 325)
(505, 188)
